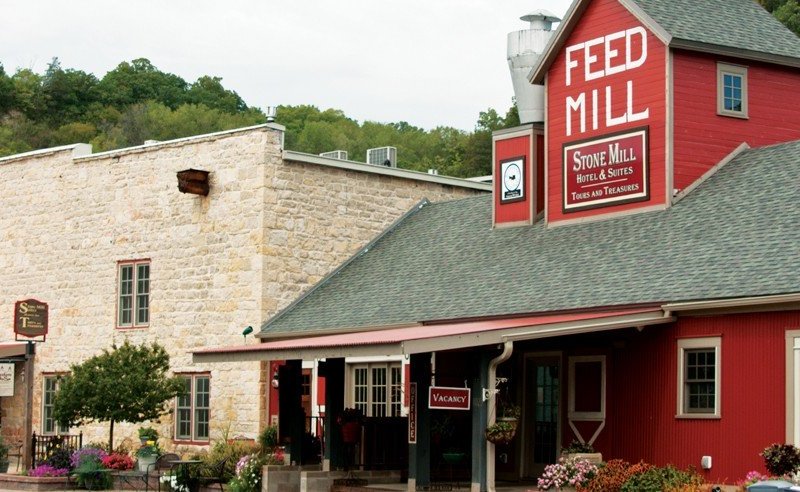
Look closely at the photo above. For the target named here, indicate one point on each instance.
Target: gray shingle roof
(738, 234)
(740, 24)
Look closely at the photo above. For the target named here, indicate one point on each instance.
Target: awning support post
(491, 405)
(419, 454)
(334, 372)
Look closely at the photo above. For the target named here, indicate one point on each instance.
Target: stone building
(118, 253)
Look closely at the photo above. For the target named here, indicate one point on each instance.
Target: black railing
(42, 447)
(313, 448)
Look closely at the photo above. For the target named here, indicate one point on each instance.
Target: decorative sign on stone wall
(6, 379)
(608, 170)
(30, 319)
(443, 398)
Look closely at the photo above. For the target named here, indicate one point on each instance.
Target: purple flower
(47, 471)
(85, 454)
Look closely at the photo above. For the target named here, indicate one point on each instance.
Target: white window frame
(587, 416)
(369, 366)
(793, 387)
(704, 343)
(135, 294)
(57, 429)
(193, 409)
(724, 69)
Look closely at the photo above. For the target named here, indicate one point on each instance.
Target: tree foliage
(786, 11)
(125, 384)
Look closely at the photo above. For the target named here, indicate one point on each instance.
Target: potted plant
(453, 456)
(147, 455)
(3, 455)
(582, 451)
(505, 427)
(350, 424)
(147, 434)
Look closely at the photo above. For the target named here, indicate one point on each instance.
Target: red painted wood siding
(507, 149)
(702, 138)
(603, 17)
(642, 395)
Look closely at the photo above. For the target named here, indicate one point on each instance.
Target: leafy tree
(786, 11)
(209, 92)
(28, 93)
(6, 91)
(125, 384)
(140, 81)
(67, 94)
(789, 15)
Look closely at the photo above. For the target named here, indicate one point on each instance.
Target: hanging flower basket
(502, 431)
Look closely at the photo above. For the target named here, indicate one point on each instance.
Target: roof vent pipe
(523, 53)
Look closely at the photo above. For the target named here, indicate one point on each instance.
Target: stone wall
(267, 231)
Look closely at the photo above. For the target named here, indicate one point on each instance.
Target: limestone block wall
(268, 230)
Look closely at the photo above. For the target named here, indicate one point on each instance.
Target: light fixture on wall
(246, 332)
(275, 382)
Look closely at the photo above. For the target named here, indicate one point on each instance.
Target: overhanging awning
(434, 337)
(12, 349)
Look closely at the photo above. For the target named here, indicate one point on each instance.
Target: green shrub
(230, 451)
(781, 459)
(660, 479)
(268, 438)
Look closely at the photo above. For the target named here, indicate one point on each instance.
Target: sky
(427, 62)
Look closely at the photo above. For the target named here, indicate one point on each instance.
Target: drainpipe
(491, 404)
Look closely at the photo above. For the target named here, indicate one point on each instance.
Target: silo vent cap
(541, 19)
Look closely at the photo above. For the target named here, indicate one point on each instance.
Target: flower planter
(502, 436)
(145, 462)
(351, 432)
(595, 458)
(453, 458)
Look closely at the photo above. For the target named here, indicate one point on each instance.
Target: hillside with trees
(136, 102)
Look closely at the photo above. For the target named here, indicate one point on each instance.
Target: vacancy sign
(606, 171)
(443, 398)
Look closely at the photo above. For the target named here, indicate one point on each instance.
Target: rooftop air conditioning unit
(382, 156)
(336, 154)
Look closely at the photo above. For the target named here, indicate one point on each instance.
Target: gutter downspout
(491, 404)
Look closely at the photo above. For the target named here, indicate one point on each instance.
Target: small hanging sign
(444, 398)
(7, 379)
(30, 319)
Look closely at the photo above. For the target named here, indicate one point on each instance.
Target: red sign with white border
(443, 398)
(607, 170)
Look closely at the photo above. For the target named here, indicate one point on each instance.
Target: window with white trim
(49, 425)
(377, 389)
(192, 409)
(587, 387)
(731, 90)
(699, 375)
(133, 294)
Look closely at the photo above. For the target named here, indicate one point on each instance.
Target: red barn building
(633, 283)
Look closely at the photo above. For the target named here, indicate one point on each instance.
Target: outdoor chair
(15, 451)
(216, 475)
(162, 466)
